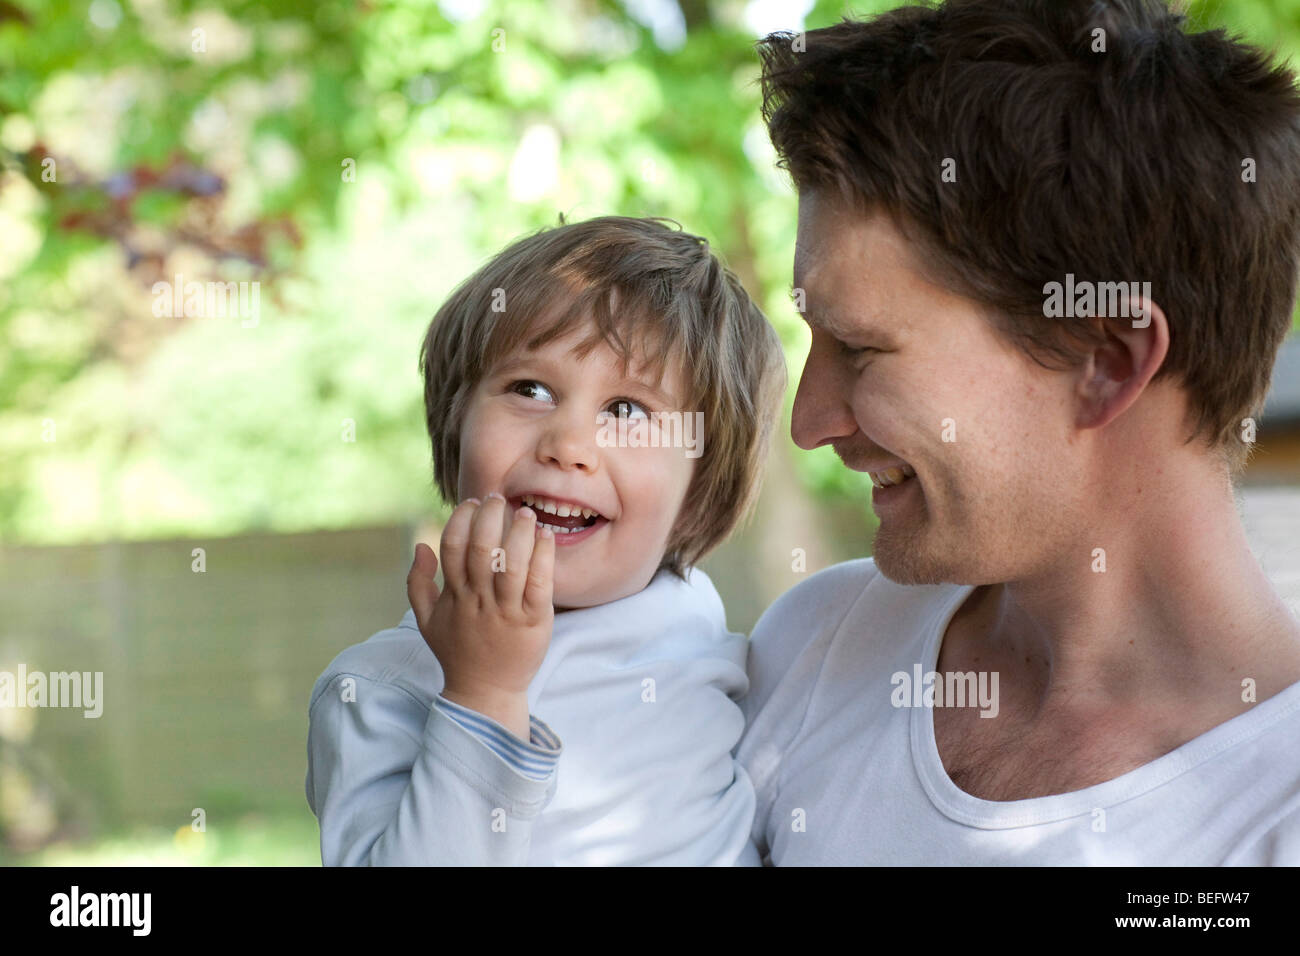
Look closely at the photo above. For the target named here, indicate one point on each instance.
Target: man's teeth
(556, 508)
(891, 476)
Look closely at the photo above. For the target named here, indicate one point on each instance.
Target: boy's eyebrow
(505, 368)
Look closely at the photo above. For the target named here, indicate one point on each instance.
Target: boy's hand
(491, 626)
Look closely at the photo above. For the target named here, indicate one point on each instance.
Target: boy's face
(532, 429)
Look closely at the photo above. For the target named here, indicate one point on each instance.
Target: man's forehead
(828, 242)
(844, 260)
(815, 285)
(810, 239)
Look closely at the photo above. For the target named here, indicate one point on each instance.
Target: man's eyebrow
(811, 313)
(830, 321)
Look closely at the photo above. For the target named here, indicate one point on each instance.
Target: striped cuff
(536, 759)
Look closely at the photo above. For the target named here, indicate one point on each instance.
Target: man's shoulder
(819, 602)
(854, 589)
(1276, 842)
(799, 616)
(838, 583)
(396, 657)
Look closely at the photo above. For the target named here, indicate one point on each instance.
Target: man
(1062, 651)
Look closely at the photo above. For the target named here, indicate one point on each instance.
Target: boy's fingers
(541, 573)
(484, 538)
(421, 585)
(519, 552)
(455, 541)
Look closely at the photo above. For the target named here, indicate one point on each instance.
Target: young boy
(599, 398)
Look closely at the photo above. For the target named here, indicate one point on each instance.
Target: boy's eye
(535, 390)
(626, 408)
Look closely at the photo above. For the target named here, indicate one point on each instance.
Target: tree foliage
(357, 160)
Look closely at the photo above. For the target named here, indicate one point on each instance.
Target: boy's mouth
(562, 517)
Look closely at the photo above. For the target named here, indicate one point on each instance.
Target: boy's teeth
(560, 529)
(559, 510)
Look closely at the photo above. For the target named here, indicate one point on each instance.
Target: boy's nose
(570, 442)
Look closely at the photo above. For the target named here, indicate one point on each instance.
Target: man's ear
(1113, 374)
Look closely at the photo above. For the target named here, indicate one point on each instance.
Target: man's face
(903, 373)
(532, 434)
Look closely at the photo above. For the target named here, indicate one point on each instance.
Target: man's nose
(568, 440)
(821, 413)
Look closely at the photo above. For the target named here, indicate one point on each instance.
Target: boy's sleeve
(394, 782)
(535, 759)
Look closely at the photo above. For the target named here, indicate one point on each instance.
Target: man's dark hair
(1092, 138)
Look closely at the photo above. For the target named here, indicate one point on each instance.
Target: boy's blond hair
(651, 291)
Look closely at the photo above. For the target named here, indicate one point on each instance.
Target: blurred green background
(357, 160)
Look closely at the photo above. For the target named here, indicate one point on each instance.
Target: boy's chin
(571, 598)
(575, 598)
(576, 602)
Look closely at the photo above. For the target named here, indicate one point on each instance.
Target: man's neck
(1182, 612)
(1102, 672)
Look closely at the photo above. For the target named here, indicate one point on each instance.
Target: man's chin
(906, 564)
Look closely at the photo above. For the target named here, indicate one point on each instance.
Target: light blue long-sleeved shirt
(536, 758)
(643, 694)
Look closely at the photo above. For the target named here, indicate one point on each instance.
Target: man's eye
(533, 390)
(846, 349)
(626, 408)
